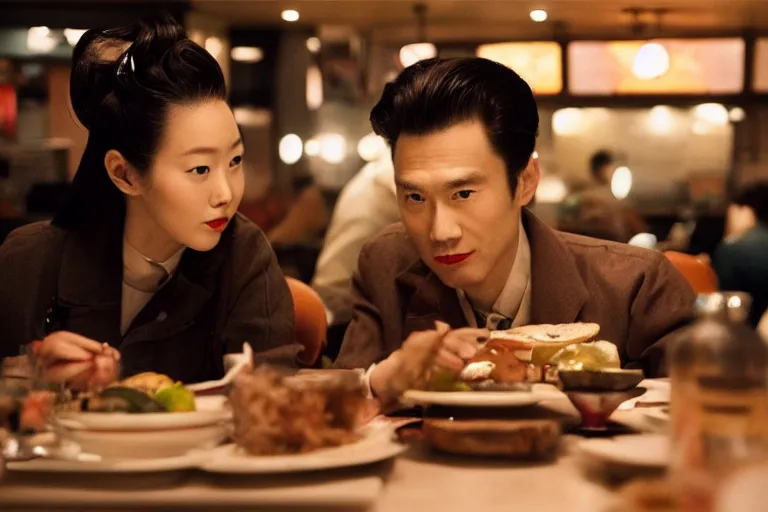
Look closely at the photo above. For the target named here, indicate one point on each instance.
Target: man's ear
(528, 181)
(122, 173)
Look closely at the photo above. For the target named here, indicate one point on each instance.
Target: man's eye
(464, 194)
(414, 197)
(200, 170)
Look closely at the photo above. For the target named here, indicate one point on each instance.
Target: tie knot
(493, 322)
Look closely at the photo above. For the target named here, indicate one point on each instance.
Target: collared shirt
(142, 278)
(514, 301)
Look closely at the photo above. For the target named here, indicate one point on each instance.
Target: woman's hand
(421, 353)
(80, 363)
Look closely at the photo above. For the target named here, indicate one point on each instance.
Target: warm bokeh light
(651, 61)
(312, 147)
(412, 53)
(290, 15)
(711, 113)
(538, 63)
(539, 15)
(333, 148)
(73, 35)
(290, 148)
(621, 182)
(248, 54)
(40, 40)
(567, 121)
(314, 45)
(214, 46)
(737, 115)
(661, 121)
(372, 147)
(314, 91)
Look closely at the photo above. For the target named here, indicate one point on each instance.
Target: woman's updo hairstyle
(123, 83)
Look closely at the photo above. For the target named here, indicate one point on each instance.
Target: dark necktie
(493, 322)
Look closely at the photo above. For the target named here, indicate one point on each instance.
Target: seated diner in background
(469, 254)
(148, 262)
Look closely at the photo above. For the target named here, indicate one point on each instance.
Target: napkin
(233, 364)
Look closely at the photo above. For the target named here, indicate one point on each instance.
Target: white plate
(377, 444)
(472, 398)
(210, 410)
(146, 444)
(658, 415)
(191, 460)
(644, 450)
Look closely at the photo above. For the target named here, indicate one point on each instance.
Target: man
(366, 205)
(594, 211)
(467, 254)
(740, 261)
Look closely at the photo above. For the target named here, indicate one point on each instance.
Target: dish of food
(276, 413)
(373, 443)
(147, 401)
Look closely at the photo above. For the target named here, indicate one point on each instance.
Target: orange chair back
(696, 269)
(310, 319)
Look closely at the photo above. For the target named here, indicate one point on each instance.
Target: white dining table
(419, 479)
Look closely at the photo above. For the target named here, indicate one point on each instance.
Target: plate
(647, 451)
(146, 444)
(210, 410)
(658, 415)
(191, 460)
(376, 445)
(472, 398)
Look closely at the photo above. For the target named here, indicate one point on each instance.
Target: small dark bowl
(605, 380)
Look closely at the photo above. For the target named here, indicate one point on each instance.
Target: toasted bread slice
(544, 340)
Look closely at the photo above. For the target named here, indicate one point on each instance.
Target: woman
(148, 262)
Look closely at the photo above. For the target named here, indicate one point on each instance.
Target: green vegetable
(445, 381)
(120, 399)
(176, 398)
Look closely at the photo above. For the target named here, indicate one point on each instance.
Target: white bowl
(151, 444)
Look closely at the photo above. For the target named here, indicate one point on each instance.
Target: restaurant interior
(672, 95)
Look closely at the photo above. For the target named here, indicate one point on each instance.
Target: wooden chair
(310, 319)
(697, 270)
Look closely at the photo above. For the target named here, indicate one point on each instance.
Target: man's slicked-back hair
(436, 94)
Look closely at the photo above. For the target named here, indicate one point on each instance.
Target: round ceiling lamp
(410, 54)
(651, 62)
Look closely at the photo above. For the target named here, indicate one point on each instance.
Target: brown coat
(215, 301)
(635, 295)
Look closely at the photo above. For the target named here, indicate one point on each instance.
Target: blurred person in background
(366, 205)
(594, 211)
(147, 263)
(741, 260)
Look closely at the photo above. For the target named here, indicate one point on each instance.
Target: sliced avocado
(130, 400)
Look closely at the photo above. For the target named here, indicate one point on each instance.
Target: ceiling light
(290, 148)
(249, 54)
(290, 15)
(651, 61)
(73, 35)
(539, 15)
(314, 45)
(412, 53)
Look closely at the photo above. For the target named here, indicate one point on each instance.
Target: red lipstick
(453, 259)
(218, 224)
